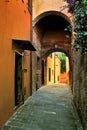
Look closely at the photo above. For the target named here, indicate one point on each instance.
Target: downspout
(30, 73)
(31, 51)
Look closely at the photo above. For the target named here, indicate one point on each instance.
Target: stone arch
(52, 48)
(47, 13)
(55, 50)
(38, 29)
(47, 53)
(49, 45)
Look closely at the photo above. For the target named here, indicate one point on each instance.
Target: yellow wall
(54, 64)
(14, 24)
(50, 64)
(57, 69)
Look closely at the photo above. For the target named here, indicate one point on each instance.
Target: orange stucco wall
(50, 64)
(14, 24)
(57, 69)
(53, 62)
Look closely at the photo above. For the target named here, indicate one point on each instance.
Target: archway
(50, 31)
(50, 34)
(51, 60)
(47, 13)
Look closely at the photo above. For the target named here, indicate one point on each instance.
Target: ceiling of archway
(51, 22)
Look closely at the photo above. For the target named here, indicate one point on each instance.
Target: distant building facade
(52, 69)
(57, 68)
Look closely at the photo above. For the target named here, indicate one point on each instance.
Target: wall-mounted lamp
(22, 53)
(56, 46)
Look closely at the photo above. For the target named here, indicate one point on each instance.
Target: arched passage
(39, 17)
(46, 60)
(50, 31)
(55, 50)
(50, 34)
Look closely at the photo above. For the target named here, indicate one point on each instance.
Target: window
(38, 63)
(28, 2)
(49, 74)
(29, 5)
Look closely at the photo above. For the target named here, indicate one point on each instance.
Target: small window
(29, 5)
(38, 63)
(49, 74)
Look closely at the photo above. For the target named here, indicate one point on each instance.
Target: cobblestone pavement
(50, 108)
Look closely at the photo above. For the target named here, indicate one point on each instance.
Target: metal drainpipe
(31, 53)
(30, 73)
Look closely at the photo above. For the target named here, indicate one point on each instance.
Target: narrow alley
(49, 108)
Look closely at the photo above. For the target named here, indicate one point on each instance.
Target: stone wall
(80, 85)
(36, 72)
(36, 60)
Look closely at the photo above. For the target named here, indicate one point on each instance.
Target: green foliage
(63, 62)
(63, 65)
(62, 56)
(80, 26)
(84, 1)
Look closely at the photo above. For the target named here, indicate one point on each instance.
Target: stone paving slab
(50, 108)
